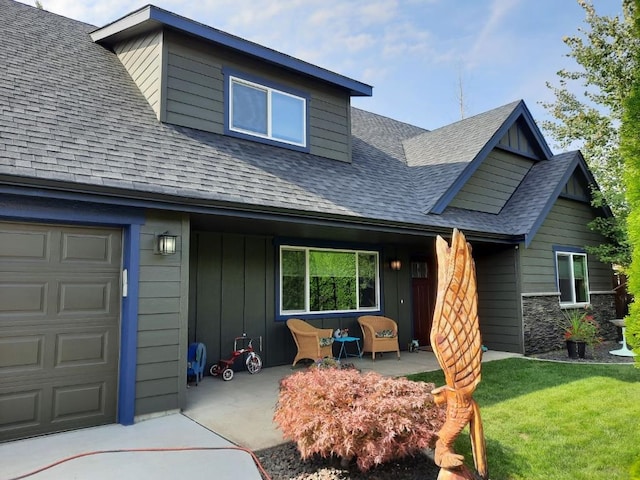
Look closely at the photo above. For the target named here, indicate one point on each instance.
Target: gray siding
(142, 57)
(499, 301)
(493, 183)
(566, 225)
(195, 94)
(162, 318)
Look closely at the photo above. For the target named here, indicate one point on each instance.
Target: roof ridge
(386, 117)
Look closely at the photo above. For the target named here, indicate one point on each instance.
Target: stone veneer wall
(542, 319)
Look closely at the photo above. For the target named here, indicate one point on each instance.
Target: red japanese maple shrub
(348, 414)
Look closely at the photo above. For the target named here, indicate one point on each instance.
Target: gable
(469, 142)
(577, 187)
(493, 182)
(517, 139)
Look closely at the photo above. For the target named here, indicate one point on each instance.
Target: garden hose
(134, 450)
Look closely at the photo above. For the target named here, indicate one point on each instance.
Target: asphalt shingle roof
(450, 151)
(70, 113)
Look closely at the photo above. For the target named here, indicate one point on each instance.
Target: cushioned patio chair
(379, 334)
(313, 343)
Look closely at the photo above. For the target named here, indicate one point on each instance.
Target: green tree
(606, 55)
(630, 150)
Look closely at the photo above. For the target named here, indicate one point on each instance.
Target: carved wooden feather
(456, 342)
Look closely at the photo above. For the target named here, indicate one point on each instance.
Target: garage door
(59, 327)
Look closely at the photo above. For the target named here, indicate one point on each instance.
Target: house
(282, 201)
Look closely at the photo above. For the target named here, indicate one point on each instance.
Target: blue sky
(415, 53)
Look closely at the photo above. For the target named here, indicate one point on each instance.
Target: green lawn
(545, 420)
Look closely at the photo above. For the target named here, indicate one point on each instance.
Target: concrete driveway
(167, 432)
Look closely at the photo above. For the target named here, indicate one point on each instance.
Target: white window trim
(307, 293)
(573, 303)
(270, 91)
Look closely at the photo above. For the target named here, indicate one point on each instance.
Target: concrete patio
(241, 410)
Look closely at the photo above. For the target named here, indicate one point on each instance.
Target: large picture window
(314, 280)
(266, 112)
(573, 279)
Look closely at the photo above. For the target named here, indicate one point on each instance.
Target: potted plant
(580, 330)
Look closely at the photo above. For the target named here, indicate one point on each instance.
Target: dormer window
(265, 113)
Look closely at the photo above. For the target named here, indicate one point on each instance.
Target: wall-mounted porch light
(395, 264)
(166, 244)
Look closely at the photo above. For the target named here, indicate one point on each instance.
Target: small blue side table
(343, 351)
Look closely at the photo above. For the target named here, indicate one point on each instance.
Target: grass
(545, 420)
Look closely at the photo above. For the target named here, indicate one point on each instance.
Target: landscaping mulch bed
(283, 461)
(597, 354)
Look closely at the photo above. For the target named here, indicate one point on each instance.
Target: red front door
(422, 310)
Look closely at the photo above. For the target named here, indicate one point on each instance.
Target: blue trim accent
(129, 329)
(154, 15)
(528, 155)
(230, 72)
(265, 82)
(297, 242)
(35, 208)
(333, 244)
(549, 205)
(321, 315)
(29, 208)
(520, 111)
(566, 249)
(578, 161)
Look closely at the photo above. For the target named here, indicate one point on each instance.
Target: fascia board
(151, 17)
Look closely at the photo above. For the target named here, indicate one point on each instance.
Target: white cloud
(494, 38)
(504, 49)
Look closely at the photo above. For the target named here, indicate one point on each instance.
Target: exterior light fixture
(166, 244)
(395, 264)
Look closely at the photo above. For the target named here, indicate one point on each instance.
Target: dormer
(197, 76)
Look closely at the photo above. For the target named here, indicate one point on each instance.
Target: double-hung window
(319, 280)
(270, 114)
(573, 278)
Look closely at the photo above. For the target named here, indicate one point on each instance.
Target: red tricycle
(224, 368)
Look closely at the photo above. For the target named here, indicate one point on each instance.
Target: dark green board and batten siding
(162, 317)
(565, 226)
(234, 283)
(516, 139)
(233, 280)
(493, 183)
(184, 84)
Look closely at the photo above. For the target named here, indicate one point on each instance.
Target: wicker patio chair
(379, 334)
(313, 343)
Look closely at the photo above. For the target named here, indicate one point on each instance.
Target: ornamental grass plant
(580, 326)
(366, 417)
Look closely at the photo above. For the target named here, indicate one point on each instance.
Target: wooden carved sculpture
(455, 339)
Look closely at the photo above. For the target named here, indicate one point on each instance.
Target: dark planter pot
(576, 349)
